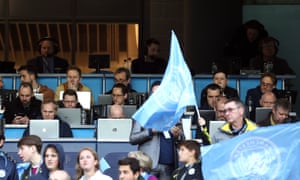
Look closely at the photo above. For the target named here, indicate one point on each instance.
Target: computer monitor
(99, 61)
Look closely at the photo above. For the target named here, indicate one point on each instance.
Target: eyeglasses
(230, 110)
(117, 95)
(268, 102)
(266, 84)
(70, 102)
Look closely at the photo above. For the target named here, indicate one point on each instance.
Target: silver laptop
(84, 98)
(261, 113)
(114, 130)
(105, 99)
(39, 96)
(214, 125)
(70, 115)
(45, 129)
(128, 110)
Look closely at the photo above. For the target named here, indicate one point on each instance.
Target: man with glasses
(119, 94)
(235, 124)
(279, 114)
(122, 76)
(267, 84)
(70, 99)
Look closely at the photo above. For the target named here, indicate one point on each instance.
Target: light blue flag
(164, 108)
(263, 154)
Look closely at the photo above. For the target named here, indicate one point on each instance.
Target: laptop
(261, 113)
(105, 99)
(114, 130)
(70, 115)
(129, 110)
(214, 125)
(84, 98)
(45, 129)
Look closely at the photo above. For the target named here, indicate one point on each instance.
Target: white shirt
(98, 175)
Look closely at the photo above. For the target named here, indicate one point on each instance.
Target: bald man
(267, 99)
(59, 175)
(116, 111)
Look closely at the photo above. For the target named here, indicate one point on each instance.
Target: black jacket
(7, 168)
(193, 172)
(16, 107)
(60, 64)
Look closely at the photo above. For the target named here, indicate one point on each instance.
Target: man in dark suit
(48, 62)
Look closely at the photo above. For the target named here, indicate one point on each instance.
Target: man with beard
(24, 107)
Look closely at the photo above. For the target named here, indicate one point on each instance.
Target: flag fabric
(165, 107)
(263, 154)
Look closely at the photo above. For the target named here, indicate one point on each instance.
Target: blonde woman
(87, 166)
(145, 162)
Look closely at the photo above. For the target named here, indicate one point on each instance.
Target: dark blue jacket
(7, 168)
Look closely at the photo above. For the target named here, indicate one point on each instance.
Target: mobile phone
(20, 114)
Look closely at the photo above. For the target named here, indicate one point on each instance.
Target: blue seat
(110, 161)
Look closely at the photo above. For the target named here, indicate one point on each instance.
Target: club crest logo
(255, 158)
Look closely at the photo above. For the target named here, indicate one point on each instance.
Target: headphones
(268, 40)
(54, 42)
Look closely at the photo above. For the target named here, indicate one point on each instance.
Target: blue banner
(263, 154)
(165, 107)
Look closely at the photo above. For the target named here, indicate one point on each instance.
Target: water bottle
(214, 67)
(249, 102)
(83, 117)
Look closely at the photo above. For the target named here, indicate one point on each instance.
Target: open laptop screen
(45, 129)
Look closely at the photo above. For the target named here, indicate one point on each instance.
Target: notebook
(214, 125)
(84, 98)
(45, 129)
(70, 115)
(114, 130)
(129, 110)
(261, 113)
(105, 99)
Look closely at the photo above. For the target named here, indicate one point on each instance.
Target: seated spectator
(129, 168)
(268, 99)
(49, 110)
(59, 175)
(145, 162)
(7, 95)
(87, 166)
(209, 96)
(279, 114)
(29, 150)
(244, 45)
(7, 164)
(24, 107)
(221, 78)
(267, 60)
(267, 84)
(28, 74)
(48, 62)
(235, 124)
(119, 94)
(53, 159)
(150, 63)
(116, 111)
(70, 100)
(189, 154)
(73, 82)
(220, 115)
(122, 75)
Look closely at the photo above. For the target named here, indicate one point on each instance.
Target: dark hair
(51, 39)
(267, 40)
(26, 85)
(271, 75)
(122, 69)
(282, 103)
(132, 162)
(70, 92)
(122, 87)
(29, 69)
(75, 68)
(192, 145)
(212, 87)
(31, 140)
(155, 83)
(226, 75)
